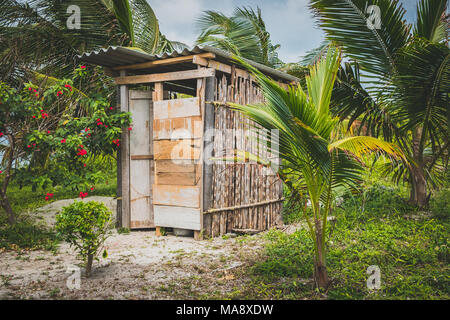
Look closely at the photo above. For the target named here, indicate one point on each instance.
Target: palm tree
(315, 155)
(396, 83)
(34, 35)
(243, 34)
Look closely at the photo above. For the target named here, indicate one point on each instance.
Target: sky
(289, 22)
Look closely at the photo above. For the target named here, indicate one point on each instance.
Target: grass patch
(25, 235)
(409, 247)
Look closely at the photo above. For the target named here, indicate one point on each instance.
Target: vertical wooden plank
(119, 177)
(158, 95)
(158, 92)
(208, 126)
(125, 158)
(201, 83)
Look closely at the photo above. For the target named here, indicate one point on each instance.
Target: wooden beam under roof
(164, 62)
(169, 76)
(225, 68)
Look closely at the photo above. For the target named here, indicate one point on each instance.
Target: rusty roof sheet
(121, 56)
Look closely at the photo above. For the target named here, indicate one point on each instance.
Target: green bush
(25, 235)
(440, 204)
(377, 200)
(85, 226)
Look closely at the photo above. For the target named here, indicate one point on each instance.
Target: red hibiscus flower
(81, 152)
(130, 128)
(63, 141)
(83, 67)
(83, 195)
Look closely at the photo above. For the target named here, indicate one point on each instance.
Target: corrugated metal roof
(121, 56)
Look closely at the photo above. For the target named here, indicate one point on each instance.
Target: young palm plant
(316, 159)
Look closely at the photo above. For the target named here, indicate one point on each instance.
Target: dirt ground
(139, 266)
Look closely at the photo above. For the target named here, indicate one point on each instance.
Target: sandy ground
(139, 266)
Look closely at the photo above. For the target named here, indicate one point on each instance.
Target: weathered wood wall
(245, 196)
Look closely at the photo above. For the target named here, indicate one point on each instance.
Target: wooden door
(177, 188)
(141, 160)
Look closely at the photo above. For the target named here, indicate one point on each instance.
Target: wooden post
(125, 159)
(158, 95)
(208, 127)
(119, 178)
(198, 234)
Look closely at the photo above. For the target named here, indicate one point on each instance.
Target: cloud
(289, 22)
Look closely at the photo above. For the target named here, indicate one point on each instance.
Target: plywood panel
(182, 196)
(177, 178)
(178, 108)
(189, 127)
(171, 166)
(177, 150)
(177, 217)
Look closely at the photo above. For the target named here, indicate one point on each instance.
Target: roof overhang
(118, 58)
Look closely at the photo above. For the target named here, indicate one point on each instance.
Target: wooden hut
(161, 186)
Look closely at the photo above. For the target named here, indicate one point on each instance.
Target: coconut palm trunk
(320, 269)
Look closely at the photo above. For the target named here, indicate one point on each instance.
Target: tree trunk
(320, 269)
(90, 259)
(4, 202)
(418, 195)
(419, 188)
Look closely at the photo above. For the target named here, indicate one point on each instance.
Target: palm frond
(360, 145)
(431, 20)
(346, 23)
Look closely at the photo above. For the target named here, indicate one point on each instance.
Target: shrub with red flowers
(49, 133)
